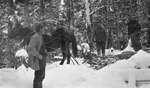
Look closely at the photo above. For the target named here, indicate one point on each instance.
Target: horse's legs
(64, 58)
(62, 61)
(63, 49)
(68, 59)
(67, 52)
(68, 56)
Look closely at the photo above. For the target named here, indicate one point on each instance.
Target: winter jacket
(99, 34)
(33, 50)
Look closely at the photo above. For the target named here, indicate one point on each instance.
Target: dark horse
(60, 38)
(134, 32)
(100, 38)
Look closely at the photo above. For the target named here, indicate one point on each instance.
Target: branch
(51, 20)
(3, 26)
(96, 10)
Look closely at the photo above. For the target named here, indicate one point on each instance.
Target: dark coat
(133, 27)
(99, 34)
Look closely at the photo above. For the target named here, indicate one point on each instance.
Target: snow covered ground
(67, 76)
(77, 76)
(81, 76)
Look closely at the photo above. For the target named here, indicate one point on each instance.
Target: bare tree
(42, 7)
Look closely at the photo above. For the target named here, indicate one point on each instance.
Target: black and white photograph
(74, 43)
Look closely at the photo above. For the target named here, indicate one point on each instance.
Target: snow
(21, 53)
(75, 76)
(81, 76)
(112, 51)
(142, 59)
(10, 78)
(5, 31)
(79, 47)
(145, 86)
(129, 48)
(85, 46)
(62, 2)
(67, 76)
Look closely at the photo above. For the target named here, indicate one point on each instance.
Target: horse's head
(58, 32)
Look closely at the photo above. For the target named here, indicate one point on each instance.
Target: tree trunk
(88, 24)
(11, 12)
(69, 4)
(87, 7)
(11, 7)
(42, 7)
(26, 15)
(10, 27)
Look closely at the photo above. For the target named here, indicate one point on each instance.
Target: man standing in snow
(100, 38)
(37, 56)
(134, 32)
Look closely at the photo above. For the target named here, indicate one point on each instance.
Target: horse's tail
(74, 46)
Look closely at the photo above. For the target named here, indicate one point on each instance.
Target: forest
(76, 15)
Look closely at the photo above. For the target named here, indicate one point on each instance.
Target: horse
(134, 32)
(60, 38)
(99, 38)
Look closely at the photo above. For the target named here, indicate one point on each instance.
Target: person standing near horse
(134, 32)
(37, 56)
(100, 38)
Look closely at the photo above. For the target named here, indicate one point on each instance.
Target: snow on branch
(96, 10)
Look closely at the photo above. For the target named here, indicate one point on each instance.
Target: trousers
(39, 75)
